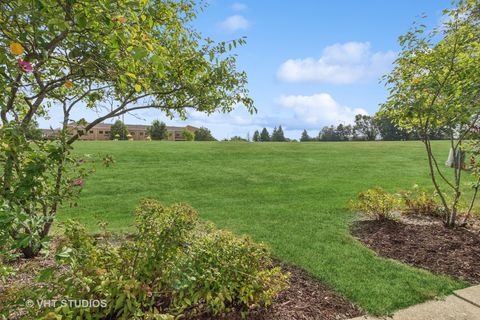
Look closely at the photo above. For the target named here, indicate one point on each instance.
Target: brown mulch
(307, 298)
(454, 252)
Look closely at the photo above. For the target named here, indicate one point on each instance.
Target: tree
(32, 132)
(204, 134)
(344, 132)
(264, 135)
(328, 134)
(434, 86)
(188, 135)
(119, 131)
(256, 136)
(114, 57)
(238, 138)
(278, 135)
(365, 126)
(389, 131)
(305, 137)
(158, 130)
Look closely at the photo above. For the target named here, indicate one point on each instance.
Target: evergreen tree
(256, 136)
(277, 134)
(120, 129)
(158, 130)
(264, 136)
(305, 137)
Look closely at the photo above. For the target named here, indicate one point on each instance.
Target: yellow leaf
(138, 88)
(131, 75)
(16, 48)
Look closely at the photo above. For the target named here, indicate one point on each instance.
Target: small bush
(376, 203)
(420, 202)
(174, 266)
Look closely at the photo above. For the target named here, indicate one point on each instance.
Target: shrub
(376, 203)
(188, 135)
(420, 202)
(173, 266)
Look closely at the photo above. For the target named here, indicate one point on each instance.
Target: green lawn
(292, 196)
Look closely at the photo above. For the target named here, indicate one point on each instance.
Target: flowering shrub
(173, 266)
(420, 202)
(376, 203)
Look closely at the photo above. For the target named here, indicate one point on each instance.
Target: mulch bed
(454, 252)
(305, 299)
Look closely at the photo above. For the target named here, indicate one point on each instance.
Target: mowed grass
(293, 196)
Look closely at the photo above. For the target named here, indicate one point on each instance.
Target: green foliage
(256, 136)
(339, 133)
(5, 271)
(33, 132)
(305, 137)
(264, 135)
(376, 203)
(277, 135)
(365, 127)
(30, 190)
(204, 134)
(238, 138)
(188, 135)
(389, 131)
(119, 131)
(420, 202)
(433, 92)
(173, 265)
(82, 55)
(158, 130)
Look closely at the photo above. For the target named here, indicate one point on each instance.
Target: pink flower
(25, 65)
(78, 183)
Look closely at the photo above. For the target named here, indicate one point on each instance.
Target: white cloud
(238, 117)
(235, 23)
(312, 112)
(339, 64)
(238, 6)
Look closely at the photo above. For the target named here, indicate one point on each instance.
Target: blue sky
(309, 63)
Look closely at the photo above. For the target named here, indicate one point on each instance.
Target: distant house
(50, 133)
(102, 132)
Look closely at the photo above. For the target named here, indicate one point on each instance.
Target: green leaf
(139, 53)
(64, 254)
(138, 88)
(45, 274)
(82, 21)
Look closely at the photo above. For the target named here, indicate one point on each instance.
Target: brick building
(137, 131)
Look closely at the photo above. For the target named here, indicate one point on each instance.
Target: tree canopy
(158, 130)
(109, 56)
(119, 131)
(264, 135)
(204, 134)
(433, 90)
(278, 135)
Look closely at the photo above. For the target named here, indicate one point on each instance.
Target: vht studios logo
(71, 303)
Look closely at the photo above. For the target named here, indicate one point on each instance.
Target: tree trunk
(30, 252)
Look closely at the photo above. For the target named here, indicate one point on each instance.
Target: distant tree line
(276, 136)
(368, 128)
